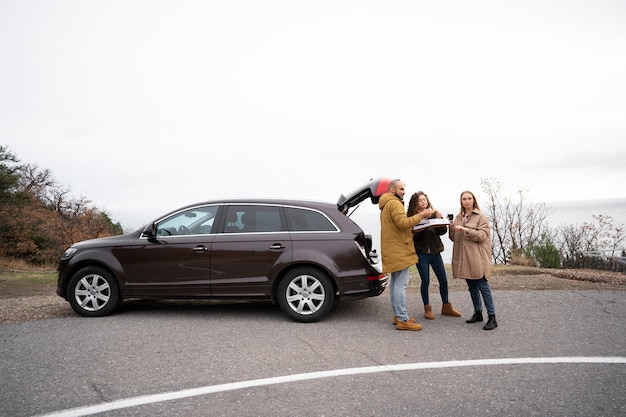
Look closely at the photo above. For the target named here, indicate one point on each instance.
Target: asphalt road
(557, 353)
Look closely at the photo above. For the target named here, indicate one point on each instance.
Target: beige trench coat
(471, 253)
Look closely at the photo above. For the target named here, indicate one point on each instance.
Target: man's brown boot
(395, 320)
(428, 312)
(448, 310)
(408, 325)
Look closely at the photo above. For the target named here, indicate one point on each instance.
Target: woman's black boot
(478, 316)
(491, 323)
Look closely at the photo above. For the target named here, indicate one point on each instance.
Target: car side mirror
(149, 231)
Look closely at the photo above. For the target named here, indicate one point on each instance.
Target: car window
(250, 219)
(303, 220)
(194, 221)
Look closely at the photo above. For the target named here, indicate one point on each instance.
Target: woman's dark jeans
(476, 288)
(426, 260)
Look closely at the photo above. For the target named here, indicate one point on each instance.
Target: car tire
(306, 294)
(93, 292)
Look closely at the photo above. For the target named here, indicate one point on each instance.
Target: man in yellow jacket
(398, 252)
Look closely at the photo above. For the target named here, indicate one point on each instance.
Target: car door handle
(200, 249)
(277, 246)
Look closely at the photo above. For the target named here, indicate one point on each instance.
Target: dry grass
(517, 277)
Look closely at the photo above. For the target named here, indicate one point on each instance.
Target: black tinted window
(246, 219)
(309, 221)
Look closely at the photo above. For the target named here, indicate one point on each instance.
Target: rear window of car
(303, 220)
(251, 219)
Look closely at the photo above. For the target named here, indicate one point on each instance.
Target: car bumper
(373, 287)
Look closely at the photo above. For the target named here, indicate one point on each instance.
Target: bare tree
(617, 238)
(56, 198)
(516, 223)
(571, 240)
(609, 236)
(528, 221)
(496, 210)
(593, 244)
(35, 181)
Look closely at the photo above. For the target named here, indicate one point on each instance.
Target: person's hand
(427, 213)
(438, 214)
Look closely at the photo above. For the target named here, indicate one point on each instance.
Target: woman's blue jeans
(476, 288)
(426, 260)
(397, 292)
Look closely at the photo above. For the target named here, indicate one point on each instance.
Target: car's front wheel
(306, 294)
(93, 292)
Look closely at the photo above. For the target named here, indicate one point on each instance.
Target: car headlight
(68, 253)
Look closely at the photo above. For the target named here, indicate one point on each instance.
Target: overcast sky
(144, 106)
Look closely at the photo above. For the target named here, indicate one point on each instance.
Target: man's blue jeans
(397, 291)
(426, 260)
(476, 288)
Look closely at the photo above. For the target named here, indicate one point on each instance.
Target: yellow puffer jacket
(396, 234)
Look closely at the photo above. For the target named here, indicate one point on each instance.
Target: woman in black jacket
(428, 247)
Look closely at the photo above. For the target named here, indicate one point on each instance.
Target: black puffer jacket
(428, 241)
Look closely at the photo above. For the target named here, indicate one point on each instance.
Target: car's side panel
(176, 266)
(244, 264)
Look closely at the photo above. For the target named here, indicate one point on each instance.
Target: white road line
(211, 389)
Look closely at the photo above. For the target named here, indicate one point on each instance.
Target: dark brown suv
(299, 254)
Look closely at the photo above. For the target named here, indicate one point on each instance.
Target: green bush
(545, 253)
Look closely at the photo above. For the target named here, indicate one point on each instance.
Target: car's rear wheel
(93, 292)
(306, 294)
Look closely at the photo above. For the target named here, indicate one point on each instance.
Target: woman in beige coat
(471, 256)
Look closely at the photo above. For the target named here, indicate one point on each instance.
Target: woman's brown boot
(448, 310)
(428, 312)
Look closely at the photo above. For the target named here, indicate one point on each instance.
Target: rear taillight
(376, 277)
(383, 186)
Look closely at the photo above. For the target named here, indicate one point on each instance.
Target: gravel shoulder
(22, 301)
